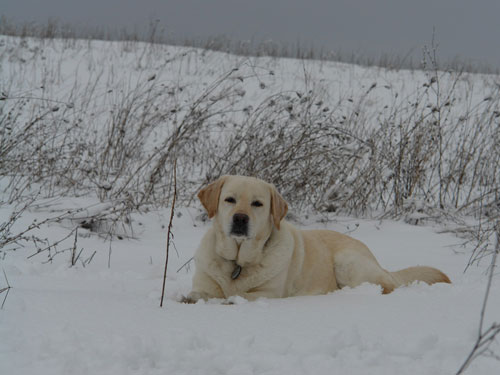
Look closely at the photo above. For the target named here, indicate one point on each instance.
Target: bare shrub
(422, 154)
(428, 154)
(123, 154)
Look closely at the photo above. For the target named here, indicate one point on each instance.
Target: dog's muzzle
(239, 226)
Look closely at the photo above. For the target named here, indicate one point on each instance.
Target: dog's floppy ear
(209, 196)
(279, 207)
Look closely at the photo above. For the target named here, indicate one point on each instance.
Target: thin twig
(485, 338)
(185, 264)
(87, 262)
(73, 250)
(109, 252)
(169, 232)
(51, 245)
(7, 289)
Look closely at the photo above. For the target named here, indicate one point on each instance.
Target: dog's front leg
(274, 288)
(253, 295)
(204, 287)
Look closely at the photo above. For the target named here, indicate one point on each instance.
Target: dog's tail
(428, 275)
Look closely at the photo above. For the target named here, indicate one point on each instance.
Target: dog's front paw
(192, 297)
(187, 299)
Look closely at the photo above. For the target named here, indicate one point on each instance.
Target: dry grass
(430, 155)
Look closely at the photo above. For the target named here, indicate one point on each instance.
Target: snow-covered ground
(102, 315)
(99, 320)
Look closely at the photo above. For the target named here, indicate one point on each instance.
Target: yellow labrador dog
(250, 251)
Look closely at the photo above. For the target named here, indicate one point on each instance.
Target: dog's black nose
(240, 224)
(240, 219)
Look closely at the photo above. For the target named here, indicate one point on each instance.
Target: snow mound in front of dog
(99, 320)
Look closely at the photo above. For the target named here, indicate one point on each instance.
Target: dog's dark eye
(257, 204)
(230, 200)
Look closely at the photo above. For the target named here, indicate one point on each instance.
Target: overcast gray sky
(469, 29)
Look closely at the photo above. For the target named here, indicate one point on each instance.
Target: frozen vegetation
(407, 161)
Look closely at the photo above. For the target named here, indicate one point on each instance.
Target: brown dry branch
(169, 233)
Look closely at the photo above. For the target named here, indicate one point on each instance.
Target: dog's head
(245, 207)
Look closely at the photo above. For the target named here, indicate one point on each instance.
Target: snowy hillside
(89, 134)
